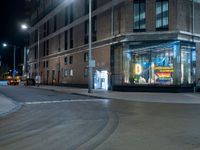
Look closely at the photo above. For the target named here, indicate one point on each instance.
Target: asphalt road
(50, 120)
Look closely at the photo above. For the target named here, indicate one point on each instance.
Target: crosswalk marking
(64, 101)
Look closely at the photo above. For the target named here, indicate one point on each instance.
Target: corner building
(137, 44)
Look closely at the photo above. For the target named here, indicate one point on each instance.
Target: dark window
(66, 60)
(47, 64)
(35, 52)
(47, 47)
(86, 32)
(94, 28)
(94, 4)
(44, 48)
(44, 29)
(139, 15)
(55, 23)
(66, 16)
(86, 57)
(71, 13)
(36, 36)
(35, 66)
(53, 75)
(59, 37)
(44, 65)
(48, 27)
(86, 7)
(66, 40)
(71, 38)
(71, 60)
(162, 14)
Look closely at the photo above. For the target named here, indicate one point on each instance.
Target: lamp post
(90, 84)
(26, 27)
(14, 53)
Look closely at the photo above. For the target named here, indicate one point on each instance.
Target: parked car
(29, 82)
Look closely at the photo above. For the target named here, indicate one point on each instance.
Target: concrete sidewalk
(7, 106)
(183, 98)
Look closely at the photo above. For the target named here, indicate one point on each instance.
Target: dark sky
(12, 14)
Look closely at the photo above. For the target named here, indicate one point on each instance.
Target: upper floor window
(71, 60)
(47, 27)
(71, 38)
(55, 23)
(66, 16)
(94, 28)
(71, 13)
(47, 47)
(66, 60)
(162, 14)
(86, 57)
(139, 15)
(86, 32)
(66, 40)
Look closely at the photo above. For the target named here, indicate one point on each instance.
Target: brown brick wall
(104, 25)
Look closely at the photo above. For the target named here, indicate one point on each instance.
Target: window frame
(162, 28)
(139, 2)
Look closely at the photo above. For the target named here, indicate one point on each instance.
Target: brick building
(135, 42)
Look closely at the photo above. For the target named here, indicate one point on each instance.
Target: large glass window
(139, 15)
(188, 61)
(162, 63)
(153, 64)
(162, 14)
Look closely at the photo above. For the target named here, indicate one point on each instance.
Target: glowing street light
(14, 53)
(24, 26)
(4, 45)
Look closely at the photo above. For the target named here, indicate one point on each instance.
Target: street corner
(8, 106)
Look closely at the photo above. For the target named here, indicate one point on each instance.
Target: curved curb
(11, 110)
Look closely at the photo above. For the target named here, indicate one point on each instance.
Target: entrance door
(101, 80)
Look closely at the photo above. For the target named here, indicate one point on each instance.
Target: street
(50, 120)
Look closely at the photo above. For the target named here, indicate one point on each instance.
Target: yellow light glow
(138, 69)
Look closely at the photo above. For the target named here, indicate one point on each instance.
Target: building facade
(135, 42)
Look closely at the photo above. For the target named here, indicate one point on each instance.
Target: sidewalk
(7, 106)
(183, 98)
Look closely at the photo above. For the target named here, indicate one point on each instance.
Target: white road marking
(64, 101)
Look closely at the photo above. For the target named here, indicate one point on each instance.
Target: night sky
(12, 14)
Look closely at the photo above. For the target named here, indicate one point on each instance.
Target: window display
(157, 64)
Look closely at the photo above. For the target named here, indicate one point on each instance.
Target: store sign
(138, 69)
(164, 69)
(164, 74)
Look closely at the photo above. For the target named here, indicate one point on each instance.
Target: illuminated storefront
(158, 63)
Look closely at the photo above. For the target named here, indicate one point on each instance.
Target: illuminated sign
(138, 69)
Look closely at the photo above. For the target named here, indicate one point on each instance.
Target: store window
(162, 14)
(139, 15)
(188, 63)
(161, 63)
(153, 64)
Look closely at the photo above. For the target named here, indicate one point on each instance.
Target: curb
(14, 109)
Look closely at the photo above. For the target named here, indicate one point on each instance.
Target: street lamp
(25, 27)
(14, 48)
(91, 63)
